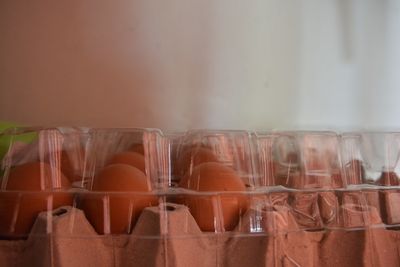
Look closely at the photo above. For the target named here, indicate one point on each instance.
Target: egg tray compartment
(310, 235)
(270, 233)
(82, 246)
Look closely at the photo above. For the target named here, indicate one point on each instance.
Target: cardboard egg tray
(272, 199)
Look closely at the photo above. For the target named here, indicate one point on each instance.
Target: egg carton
(141, 197)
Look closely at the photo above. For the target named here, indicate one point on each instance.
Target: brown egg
(68, 168)
(130, 158)
(138, 148)
(27, 194)
(191, 157)
(116, 211)
(211, 176)
(388, 178)
(71, 162)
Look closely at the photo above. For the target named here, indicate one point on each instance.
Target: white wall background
(180, 64)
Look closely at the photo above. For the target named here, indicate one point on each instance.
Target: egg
(388, 178)
(138, 148)
(191, 157)
(28, 192)
(72, 164)
(66, 166)
(116, 211)
(213, 177)
(130, 158)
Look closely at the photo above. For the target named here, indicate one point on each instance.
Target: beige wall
(191, 64)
